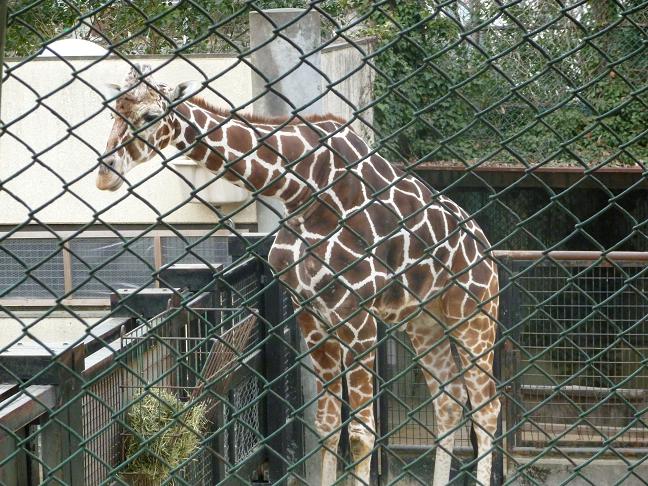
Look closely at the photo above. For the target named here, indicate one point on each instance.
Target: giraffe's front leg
(359, 338)
(326, 356)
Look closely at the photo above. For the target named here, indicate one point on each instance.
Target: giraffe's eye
(149, 118)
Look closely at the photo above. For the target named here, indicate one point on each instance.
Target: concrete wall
(351, 88)
(57, 128)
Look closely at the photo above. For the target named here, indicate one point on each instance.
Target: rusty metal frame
(625, 256)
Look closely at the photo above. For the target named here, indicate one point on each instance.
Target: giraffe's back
(376, 237)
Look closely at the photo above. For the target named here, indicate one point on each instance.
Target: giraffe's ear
(185, 90)
(109, 91)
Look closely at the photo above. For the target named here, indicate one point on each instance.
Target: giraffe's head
(143, 123)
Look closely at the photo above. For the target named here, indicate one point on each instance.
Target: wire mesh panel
(409, 410)
(30, 269)
(194, 249)
(101, 405)
(101, 266)
(243, 438)
(582, 335)
(254, 198)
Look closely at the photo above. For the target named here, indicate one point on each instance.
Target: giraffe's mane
(265, 120)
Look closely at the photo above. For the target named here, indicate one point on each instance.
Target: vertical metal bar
(157, 255)
(382, 409)
(510, 317)
(3, 31)
(219, 459)
(71, 365)
(499, 372)
(12, 471)
(273, 351)
(67, 268)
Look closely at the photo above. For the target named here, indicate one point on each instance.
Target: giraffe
(363, 242)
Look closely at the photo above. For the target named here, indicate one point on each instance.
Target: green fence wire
(150, 332)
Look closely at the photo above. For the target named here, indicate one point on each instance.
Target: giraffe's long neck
(246, 155)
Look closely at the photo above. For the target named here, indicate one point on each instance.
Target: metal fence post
(509, 357)
(12, 471)
(500, 372)
(70, 415)
(276, 412)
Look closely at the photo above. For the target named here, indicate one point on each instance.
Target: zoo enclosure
(574, 371)
(256, 395)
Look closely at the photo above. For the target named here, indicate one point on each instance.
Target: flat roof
(54, 331)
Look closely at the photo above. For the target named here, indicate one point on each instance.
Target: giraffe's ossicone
(364, 242)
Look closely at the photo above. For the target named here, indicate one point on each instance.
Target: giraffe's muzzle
(108, 177)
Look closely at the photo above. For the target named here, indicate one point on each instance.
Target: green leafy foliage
(467, 82)
(468, 86)
(142, 27)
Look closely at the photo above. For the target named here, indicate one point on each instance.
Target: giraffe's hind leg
(474, 329)
(475, 348)
(426, 333)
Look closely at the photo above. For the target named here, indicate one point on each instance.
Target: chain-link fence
(231, 267)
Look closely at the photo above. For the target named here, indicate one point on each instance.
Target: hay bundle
(165, 433)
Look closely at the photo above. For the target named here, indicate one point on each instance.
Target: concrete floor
(603, 472)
